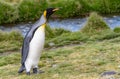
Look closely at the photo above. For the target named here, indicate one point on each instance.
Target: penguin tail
(22, 68)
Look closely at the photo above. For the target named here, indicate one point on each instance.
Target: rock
(54, 65)
(51, 44)
(108, 75)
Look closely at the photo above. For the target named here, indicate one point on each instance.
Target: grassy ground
(83, 61)
(81, 57)
(10, 41)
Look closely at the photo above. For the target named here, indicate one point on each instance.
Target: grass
(25, 10)
(10, 41)
(8, 12)
(67, 38)
(85, 61)
(95, 24)
(117, 29)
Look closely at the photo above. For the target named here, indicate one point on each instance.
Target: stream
(68, 24)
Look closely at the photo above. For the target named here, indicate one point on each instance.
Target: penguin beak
(55, 9)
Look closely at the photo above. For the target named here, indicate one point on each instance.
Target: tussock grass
(8, 12)
(105, 35)
(95, 24)
(10, 41)
(117, 29)
(100, 6)
(51, 33)
(31, 9)
(24, 10)
(67, 38)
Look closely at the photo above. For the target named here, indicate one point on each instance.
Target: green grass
(54, 32)
(95, 24)
(31, 9)
(10, 41)
(8, 12)
(26, 10)
(117, 29)
(85, 61)
(88, 60)
(67, 38)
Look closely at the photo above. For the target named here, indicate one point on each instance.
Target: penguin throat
(44, 25)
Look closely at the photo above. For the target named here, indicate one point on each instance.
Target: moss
(95, 24)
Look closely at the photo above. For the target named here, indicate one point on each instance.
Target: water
(68, 24)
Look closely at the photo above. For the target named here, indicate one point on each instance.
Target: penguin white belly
(36, 47)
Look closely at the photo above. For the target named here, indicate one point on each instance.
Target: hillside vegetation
(25, 10)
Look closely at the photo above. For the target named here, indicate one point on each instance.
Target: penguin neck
(43, 20)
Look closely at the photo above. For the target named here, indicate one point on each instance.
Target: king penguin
(33, 43)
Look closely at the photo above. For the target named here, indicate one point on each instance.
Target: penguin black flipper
(25, 50)
(25, 46)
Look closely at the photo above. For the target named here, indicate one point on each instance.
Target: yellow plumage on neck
(42, 27)
(45, 13)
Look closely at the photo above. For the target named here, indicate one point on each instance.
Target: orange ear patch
(45, 13)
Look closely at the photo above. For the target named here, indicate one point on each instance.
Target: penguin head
(49, 12)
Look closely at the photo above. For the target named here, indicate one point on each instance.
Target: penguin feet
(28, 73)
(36, 71)
(21, 69)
